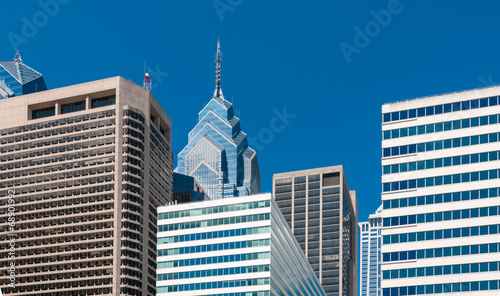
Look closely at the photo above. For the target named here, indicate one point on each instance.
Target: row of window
(62, 121)
(136, 115)
(440, 162)
(442, 288)
(213, 234)
(441, 144)
(214, 247)
(441, 180)
(440, 270)
(214, 260)
(442, 216)
(439, 109)
(214, 222)
(55, 141)
(441, 198)
(213, 285)
(441, 126)
(440, 234)
(442, 252)
(58, 131)
(215, 210)
(213, 272)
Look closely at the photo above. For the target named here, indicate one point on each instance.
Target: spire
(17, 58)
(218, 59)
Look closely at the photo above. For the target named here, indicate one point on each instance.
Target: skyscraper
(231, 247)
(369, 254)
(217, 154)
(322, 213)
(441, 194)
(83, 170)
(17, 79)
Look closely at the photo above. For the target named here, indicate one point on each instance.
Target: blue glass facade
(217, 154)
(370, 243)
(18, 79)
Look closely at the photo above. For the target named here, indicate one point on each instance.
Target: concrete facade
(88, 164)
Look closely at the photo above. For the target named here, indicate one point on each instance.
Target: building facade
(217, 154)
(370, 255)
(235, 246)
(83, 170)
(322, 213)
(186, 189)
(17, 79)
(440, 161)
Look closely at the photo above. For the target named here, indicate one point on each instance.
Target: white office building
(232, 247)
(369, 252)
(440, 196)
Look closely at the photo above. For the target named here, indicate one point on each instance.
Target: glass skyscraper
(369, 254)
(217, 154)
(231, 247)
(17, 79)
(441, 204)
(322, 213)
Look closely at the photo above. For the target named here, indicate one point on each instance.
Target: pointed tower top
(17, 58)
(218, 59)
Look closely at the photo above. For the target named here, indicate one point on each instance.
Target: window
(104, 101)
(45, 112)
(73, 107)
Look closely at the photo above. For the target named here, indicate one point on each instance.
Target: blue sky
(276, 55)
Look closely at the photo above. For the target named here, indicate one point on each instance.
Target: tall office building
(17, 79)
(231, 247)
(217, 154)
(322, 213)
(440, 194)
(87, 166)
(370, 255)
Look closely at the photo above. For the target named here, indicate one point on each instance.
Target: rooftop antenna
(147, 81)
(218, 59)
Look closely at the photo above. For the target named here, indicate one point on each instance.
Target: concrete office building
(370, 255)
(89, 165)
(234, 246)
(322, 213)
(440, 194)
(217, 154)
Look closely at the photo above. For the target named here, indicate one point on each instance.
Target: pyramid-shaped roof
(19, 71)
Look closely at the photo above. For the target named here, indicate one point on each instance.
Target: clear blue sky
(277, 54)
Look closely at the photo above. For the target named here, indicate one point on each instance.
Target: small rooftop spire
(17, 58)
(218, 59)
